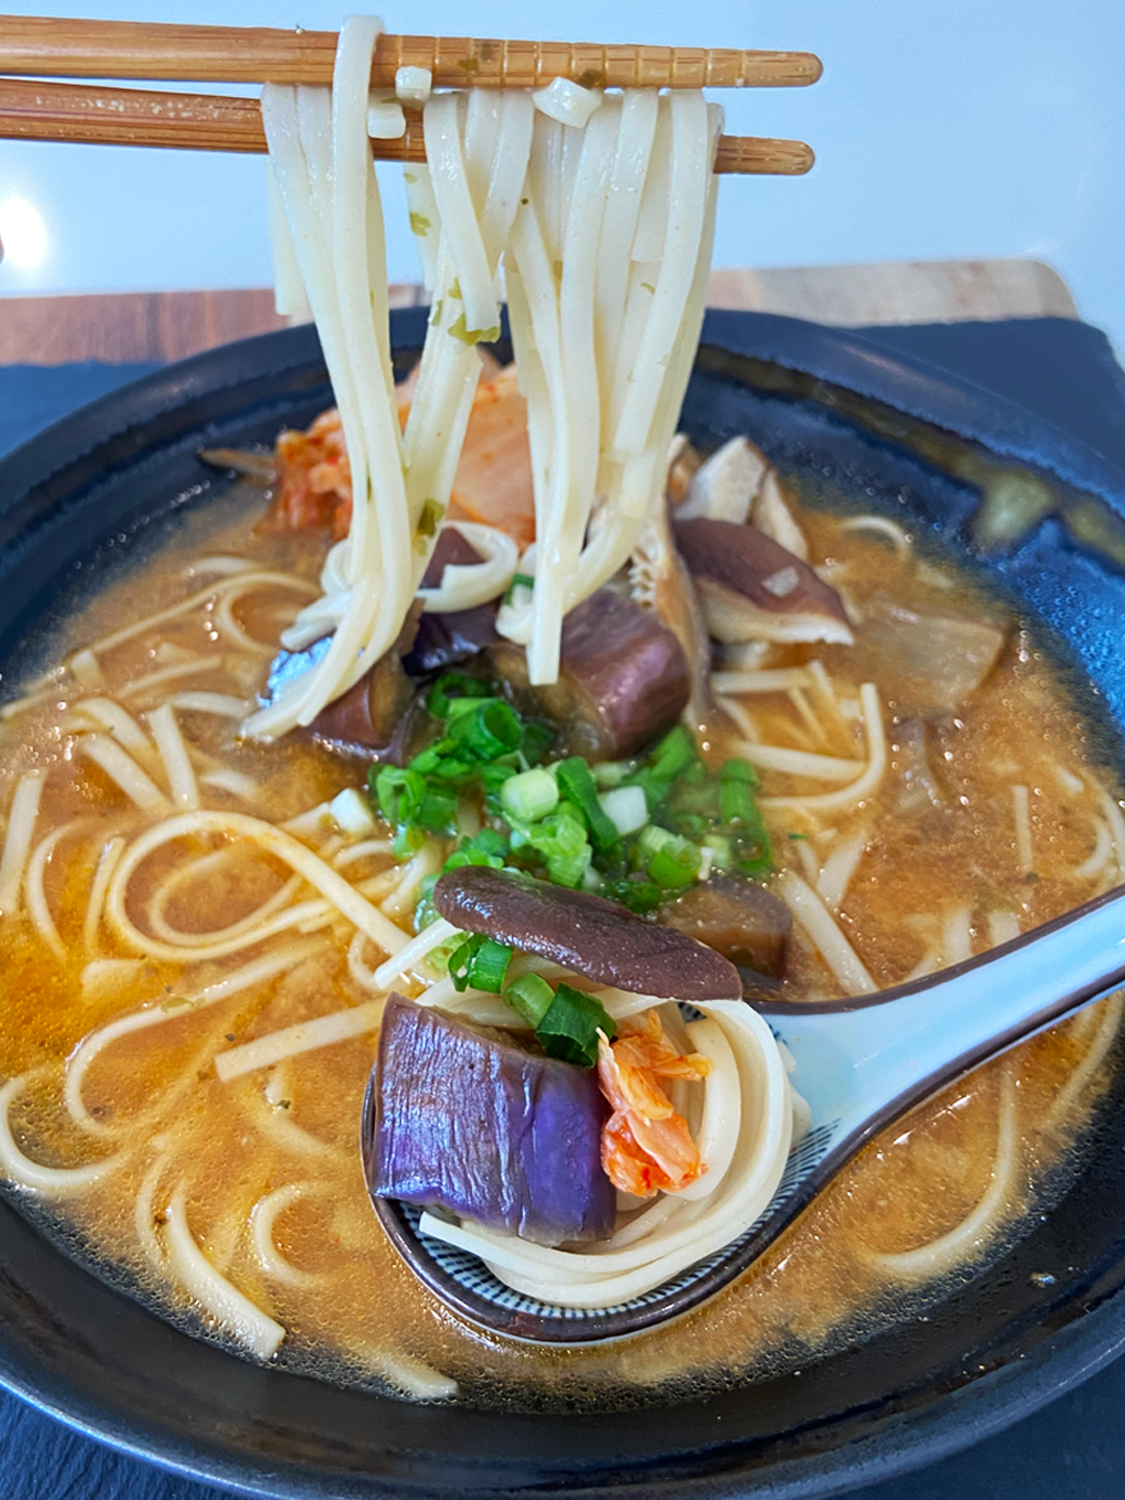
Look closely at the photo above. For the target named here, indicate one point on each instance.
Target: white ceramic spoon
(860, 1063)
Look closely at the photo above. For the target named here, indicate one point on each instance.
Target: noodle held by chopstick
(604, 234)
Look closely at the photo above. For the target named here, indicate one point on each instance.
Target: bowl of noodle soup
(110, 512)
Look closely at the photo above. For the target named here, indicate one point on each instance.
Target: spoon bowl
(861, 1063)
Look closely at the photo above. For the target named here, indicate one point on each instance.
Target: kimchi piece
(493, 482)
(647, 1147)
(315, 487)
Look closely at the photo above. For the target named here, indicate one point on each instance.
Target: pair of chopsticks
(34, 47)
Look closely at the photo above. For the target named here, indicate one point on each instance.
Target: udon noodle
(605, 232)
(205, 911)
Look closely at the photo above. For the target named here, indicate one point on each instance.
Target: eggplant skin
(477, 1126)
(444, 641)
(738, 918)
(623, 678)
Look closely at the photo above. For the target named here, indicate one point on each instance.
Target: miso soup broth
(152, 924)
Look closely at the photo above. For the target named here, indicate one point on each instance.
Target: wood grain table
(164, 326)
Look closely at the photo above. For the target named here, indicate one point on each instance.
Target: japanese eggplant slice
(469, 1122)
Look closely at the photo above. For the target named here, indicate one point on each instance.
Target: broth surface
(266, 1166)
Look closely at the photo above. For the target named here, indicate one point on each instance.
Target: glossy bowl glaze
(111, 481)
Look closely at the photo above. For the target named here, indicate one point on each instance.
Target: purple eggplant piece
(623, 678)
(485, 1130)
(445, 640)
(586, 933)
(371, 718)
(375, 717)
(738, 918)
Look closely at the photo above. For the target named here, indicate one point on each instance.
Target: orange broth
(351, 1310)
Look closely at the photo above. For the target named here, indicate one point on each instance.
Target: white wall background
(943, 128)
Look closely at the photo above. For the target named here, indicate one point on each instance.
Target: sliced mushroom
(751, 588)
(770, 513)
(738, 918)
(659, 581)
(584, 933)
(623, 678)
(683, 463)
(724, 487)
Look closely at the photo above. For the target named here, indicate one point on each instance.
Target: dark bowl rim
(939, 1426)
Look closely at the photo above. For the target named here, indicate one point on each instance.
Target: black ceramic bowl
(114, 476)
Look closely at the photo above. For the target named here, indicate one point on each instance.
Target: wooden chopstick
(39, 45)
(37, 111)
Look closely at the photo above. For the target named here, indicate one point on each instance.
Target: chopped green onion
(399, 792)
(566, 1021)
(610, 773)
(737, 784)
(519, 581)
(481, 963)
(561, 839)
(751, 842)
(635, 894)
(438, 812)
(721, 852)
(486, 848)
(538, 737)
(493, 777)
(670, 860)
(452, 686)
(671, 757)
(531, 997)
(626, 808)
(569, 1029)
(674, 754)
(488, 731)
(578, 785)
(459, 706)
(407, 842)
(426, 912)
(530, 796)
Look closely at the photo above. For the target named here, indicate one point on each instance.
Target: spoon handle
(863, 1062)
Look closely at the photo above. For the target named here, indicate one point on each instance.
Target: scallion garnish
(519, 581)
(560, 838)
(452, 686)
(479, 963)
(488, 847)
(538, 737)
(566, 1021)
(636, 831)
(577, 784)
(486, 730)
(670, 860)
(530, 997)
(530, 796)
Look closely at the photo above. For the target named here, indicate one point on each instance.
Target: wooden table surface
(163, 326)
